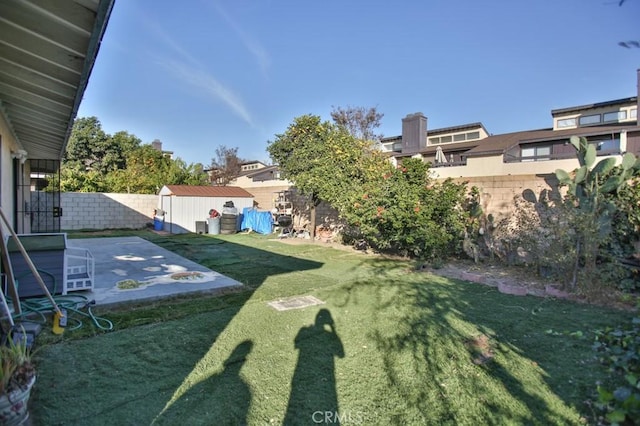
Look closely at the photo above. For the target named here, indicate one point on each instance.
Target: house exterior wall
(495, 166)
(633, 143)
(624, 109)
(8, 191)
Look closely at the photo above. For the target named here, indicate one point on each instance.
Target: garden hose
(71, 303)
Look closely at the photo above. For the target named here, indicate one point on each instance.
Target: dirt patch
(495, 275)
(513, 280)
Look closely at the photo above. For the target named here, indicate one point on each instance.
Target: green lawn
(391, 346)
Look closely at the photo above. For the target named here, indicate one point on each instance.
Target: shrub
(407, 212)
(619, 350)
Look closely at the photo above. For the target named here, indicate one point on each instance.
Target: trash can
(158, 223)
(201, 227)
(214, 225)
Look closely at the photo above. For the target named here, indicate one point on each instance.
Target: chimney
(414, 133)
(157, 145)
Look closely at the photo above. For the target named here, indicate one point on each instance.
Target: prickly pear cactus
(592, 186)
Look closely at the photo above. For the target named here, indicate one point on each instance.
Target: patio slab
(151, 270)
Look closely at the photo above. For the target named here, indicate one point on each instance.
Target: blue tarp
(258, 221)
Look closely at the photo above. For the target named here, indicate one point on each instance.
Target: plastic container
(158, 223)
(214, 225)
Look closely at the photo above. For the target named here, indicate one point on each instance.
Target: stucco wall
(82, 210)
(7, 191)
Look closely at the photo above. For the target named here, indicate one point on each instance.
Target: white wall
(8, 191)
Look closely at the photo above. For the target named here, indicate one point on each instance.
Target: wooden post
(11, 283)
(30, 263)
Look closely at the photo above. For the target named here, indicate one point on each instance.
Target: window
(445, 139)
(434, 141)
(633, 113)
(473, 135)
(459, 137)
(589, 119)
(533, 153)
(566, 122)
(615, 116)
(608, 145)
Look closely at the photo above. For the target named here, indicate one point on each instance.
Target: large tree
(98, 162)
(324, 161)
(225, 166)
(96, 150)
(360, 122)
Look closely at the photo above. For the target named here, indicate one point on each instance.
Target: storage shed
(186, 208)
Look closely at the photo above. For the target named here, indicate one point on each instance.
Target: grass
(390, 346)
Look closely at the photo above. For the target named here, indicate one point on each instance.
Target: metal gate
(43, 206)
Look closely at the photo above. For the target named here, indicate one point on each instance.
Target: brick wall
(83, 210)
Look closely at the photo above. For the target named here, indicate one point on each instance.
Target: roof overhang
(47, 52)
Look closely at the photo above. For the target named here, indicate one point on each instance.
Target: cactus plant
(591, 187)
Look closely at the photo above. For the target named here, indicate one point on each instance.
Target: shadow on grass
(460, 353)
(313, 396)
(153, 372)
(226, 389)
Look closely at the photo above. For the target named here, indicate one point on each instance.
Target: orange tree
(393, 209)
(404, 210)
(323, 161)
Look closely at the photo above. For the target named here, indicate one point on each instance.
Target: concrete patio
(152, 271)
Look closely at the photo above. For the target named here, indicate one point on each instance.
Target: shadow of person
(313, 398)
(222, 399)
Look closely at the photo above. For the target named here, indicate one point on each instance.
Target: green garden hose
(71, 303)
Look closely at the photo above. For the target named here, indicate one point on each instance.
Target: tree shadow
(225, 396)
(313, 398)
(423, 331)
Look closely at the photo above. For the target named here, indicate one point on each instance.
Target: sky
(201, 74)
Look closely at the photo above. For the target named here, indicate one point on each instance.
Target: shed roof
(205, 191)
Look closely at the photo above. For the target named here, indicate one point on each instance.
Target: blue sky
(199, 74)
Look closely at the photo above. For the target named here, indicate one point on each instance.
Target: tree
(225, 166)
(298, 152)
(97, 151)
(403, 210)
(324, 161)
(360, 122)
(98, 162)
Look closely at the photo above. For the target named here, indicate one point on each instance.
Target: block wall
(82, 210)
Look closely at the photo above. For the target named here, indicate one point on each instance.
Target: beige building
(505, 165)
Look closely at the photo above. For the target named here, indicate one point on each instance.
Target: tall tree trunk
(312, 215)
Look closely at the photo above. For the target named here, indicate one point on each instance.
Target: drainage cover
(295, 303)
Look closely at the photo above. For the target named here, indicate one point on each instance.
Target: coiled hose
(73, 304)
